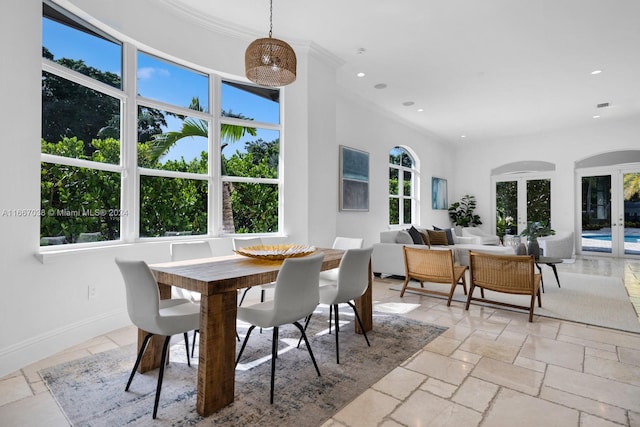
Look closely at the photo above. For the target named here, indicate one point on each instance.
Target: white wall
(365, 128)
(562, 147)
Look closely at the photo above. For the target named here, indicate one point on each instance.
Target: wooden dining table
(217, 280)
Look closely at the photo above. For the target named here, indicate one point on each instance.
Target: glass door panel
(596, 214)
(507, 205)
(539, 200)
(523, 200)
(630, 223)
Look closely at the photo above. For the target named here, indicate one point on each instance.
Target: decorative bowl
(276, 252)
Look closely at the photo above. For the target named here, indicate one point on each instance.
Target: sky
(163, 81)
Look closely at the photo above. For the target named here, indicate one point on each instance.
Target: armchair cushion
(559, 245)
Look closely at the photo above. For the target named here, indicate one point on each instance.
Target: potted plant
(534, 230)
(461, 213)
(503, 222)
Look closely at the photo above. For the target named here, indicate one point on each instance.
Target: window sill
(48, 255)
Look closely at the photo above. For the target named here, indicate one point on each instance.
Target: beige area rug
(582, 298)
(90, 391)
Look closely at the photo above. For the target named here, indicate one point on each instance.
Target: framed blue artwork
(354, 179)
(438, 193)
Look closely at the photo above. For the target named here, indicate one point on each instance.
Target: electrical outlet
(92, 291)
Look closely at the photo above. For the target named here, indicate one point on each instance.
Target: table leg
(216, 362)
(153, 354)
(364, 305)
(555, 272)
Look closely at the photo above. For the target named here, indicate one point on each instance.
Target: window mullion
(130, 197)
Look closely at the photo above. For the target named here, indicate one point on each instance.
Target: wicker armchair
(512, 274)
(431, 265)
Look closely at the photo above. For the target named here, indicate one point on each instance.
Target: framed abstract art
(354, 179)
(438, 193)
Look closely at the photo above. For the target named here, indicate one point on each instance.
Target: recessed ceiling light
(408, 103)
(380, 86)
(420, 110)
(596, 116)
(361, 74)
(594, 72)
(463, 136)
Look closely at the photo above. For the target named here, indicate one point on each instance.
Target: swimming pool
(628, 238)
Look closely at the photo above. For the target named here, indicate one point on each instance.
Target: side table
(551, 262)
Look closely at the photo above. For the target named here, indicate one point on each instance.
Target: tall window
(136, 159)
(81, 108)
(403, 179)
(173, 148)
(250, 148)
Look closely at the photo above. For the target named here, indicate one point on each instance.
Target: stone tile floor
(490, 368)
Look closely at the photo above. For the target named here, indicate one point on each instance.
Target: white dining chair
(343, 243)
(155, 316)
(182, 251)
(296, 296)
(243, 242)
(352, 282)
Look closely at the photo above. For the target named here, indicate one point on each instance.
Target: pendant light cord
(270, 17)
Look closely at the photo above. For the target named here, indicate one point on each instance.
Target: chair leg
(335, 308)
(306, 341)
(453, 288)
(165, 349)
(463, 281)
(306, 323)
(359, 322)
(143, 347)
(330, 317)
(244, 294)
(244, 344)
(471, 289)
(186, 344)
(274, 354)
(404, 285)
(193, 344)
(531, 306)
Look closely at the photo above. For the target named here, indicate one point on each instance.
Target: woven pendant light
(269, 61)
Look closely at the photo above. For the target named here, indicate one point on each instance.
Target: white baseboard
(36, 348)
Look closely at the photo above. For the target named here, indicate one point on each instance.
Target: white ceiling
(487, 69)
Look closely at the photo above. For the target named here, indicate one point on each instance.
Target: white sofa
(481, 237)
(388, 258)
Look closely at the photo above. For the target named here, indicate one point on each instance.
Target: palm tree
(162, 143)
(631, 186)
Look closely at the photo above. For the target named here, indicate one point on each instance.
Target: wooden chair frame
(512, 274)
(432, 265)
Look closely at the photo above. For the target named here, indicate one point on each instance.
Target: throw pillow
(438, 237)
(404, 238)
(415, 236)
(448, 233)
(425, 237)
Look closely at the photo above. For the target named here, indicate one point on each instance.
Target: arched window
(403, 187)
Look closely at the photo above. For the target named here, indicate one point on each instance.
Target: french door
(610, 211)
(524, 198)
